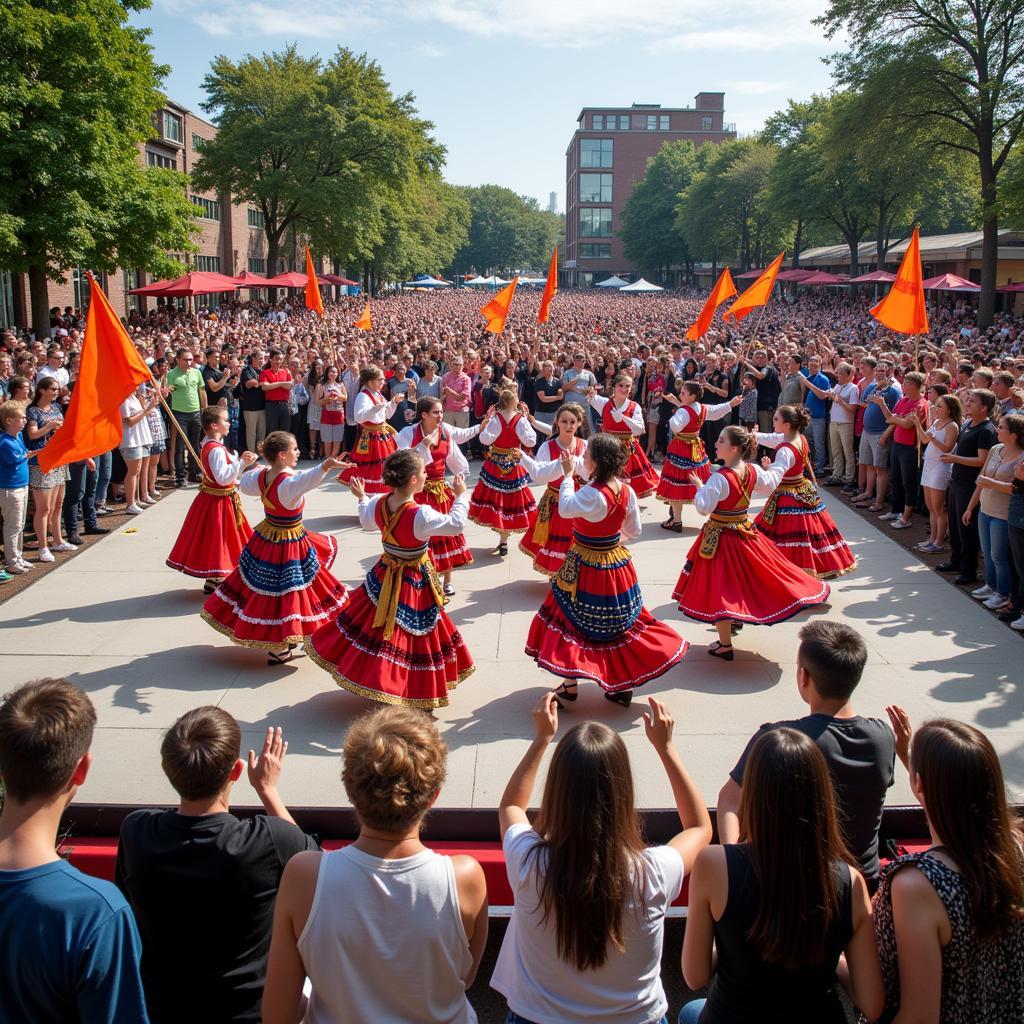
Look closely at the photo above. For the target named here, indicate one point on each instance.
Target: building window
(595, 188)
(256, 218)
(596, 152)
(6, 299)
(624, 122)
(171, 127)
(705, 123)
(198, 142)
(131, 302)
(208, 264)
(80, 285)
(652, 122)
(597, 122)
(210, 207)
(159, 160)
(257, 266)
(596, 222)
(595, 250)
(663, 122)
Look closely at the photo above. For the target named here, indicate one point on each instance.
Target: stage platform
(118, 622)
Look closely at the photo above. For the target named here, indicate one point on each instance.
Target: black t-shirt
(213, 397)
(203, 891)
(768, 388)
(977, 437)
(549, 390)
(861, 756)
(252, 399)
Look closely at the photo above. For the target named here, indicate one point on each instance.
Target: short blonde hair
(393, 764)
(10, 409)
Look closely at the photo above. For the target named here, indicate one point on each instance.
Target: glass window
(597, 122)
(131, 280)
(159, 160)
(197, 142)
(595, 188)
(80, 285)
(652, 122)
(595, 251)
(257, 266)
(256, 219)
(596, 222)
(623, 122)
(208, 264)
(210, 207)
(705, 124)
(663, 122)
(172, 127)
(596, 152)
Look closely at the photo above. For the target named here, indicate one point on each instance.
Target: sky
(504, 83)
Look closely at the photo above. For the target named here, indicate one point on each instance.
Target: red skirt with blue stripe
(548, 536)
(447, 552)
(502, 498)
(373, 445)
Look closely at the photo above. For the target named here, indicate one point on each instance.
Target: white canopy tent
(642, 286)
(611, 282)
(487, 282)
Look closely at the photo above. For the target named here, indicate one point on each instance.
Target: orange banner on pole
(110, 370)
(758, 293)
(497, 309)
(550, 290)
(314, 300)
(364, 323)
(903, 309)
(725, 288)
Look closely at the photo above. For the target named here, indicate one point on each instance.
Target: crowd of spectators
(223, 918)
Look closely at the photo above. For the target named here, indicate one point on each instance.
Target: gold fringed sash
(368, 430)
(719, 521)
(226, 492)
(801, 490)
(569, 575)
(437, 488)
(696, 448)
(542, 525)
(504, 459)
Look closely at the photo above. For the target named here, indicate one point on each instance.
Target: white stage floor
(127, 629)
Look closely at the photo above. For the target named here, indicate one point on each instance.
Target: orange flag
(314, 300)
(903, 309)
(758, 293)
(550, 289)
(364, 323)
(724, 289)
(496, 310)
(110, 370)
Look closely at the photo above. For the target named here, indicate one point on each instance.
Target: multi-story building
(607, 156)
(552, 202)
(231, 238)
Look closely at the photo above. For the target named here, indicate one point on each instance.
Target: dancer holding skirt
(375, 439)
(623, 419)
(593, 624)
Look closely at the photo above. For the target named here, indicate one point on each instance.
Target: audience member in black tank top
(782, 906)
(860, 752)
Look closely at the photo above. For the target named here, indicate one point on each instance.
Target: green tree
(1012, 197)
(960, 66)
(650, 237)
(78, 88)
(311, 145)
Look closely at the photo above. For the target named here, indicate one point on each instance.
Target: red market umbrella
(950, 283)
(154, 288)
(875, 277)
(292, 279)
(196, 283)
(750, 274)
(796, 274)
(246, 279)
(335, 279)
(1014, 286)
(822, 278)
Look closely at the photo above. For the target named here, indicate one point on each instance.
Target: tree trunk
(989, 244)
(854, 243)
(40, 301)
(273, 245)
(881, 236)
(797, 245)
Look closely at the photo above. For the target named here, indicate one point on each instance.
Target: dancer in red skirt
(733, 573)
(624, 420)
(282, 589)
(375, 440)
(437, 443)
(686, 456)
(794, 516)
(392, 641)
(548, 536)
(215, 530)
(502, 498)
(593, 624)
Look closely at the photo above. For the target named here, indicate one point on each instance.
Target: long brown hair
(787, 815)
(965, 799)
(591, 842)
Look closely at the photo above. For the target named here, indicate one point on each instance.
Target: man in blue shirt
(69, 949)
(818, 408)
(875, 446)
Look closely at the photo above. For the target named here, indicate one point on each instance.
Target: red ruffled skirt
(548, 535)
(416, 666)
(748, 579)
(211, 540)
(372, 447)
(674, 484)
(806, 534)
(593, 625)
(502, 498)
(281, 591)
(447, 552)
(639, 473)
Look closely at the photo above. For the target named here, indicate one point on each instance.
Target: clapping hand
(735, 400)
(545, 717)
(357, 488)
(695, 480)
(568, 461)
(900, 721)
(458, 484)
(248, 458)
(265, 770)
(658, 724)
(766, 463)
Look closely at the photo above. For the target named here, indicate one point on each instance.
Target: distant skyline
(503, 84)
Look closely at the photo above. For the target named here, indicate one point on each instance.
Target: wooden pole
(172, 419)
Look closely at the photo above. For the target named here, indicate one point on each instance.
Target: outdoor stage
(119, 623)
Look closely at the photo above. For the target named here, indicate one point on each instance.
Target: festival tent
(247, 279)
(425, 281)
(796, 274)
(292, 279)
(195, 283)
(491, 282)
(535, 281)
(875, 277)
(823, 278)
(950, 283)
(612, 282)
(751, 274)
(335, 279)
(1013, 286)
(642, 286)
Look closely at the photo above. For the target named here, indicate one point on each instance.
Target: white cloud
(431, 50)
(755, 87)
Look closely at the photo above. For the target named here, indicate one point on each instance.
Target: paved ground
(127, 629)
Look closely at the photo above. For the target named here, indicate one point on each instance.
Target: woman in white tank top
(386, 930)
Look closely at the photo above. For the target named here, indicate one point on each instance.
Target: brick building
(607, 156)
(230, 239)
